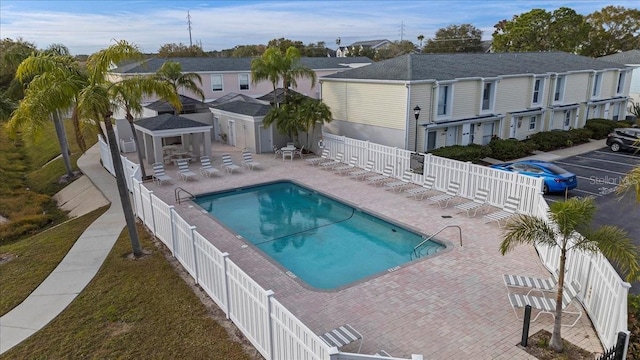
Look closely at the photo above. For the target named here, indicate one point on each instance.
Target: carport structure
(195, 136)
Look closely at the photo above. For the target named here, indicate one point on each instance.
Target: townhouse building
(425, 101)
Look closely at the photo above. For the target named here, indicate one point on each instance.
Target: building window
(558, 94)
(532, 123)
(244, 81)
(444, 99)
(537, 91)
(596, 85)
(216, 82)
(620, 87)
(616, 111)
(487, 95)
(567, 118)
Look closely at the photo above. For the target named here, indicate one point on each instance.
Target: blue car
(556, 179)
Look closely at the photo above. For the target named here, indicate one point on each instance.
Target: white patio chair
(397, 186)
(332, 163)
(205, 167)
(510, 209)
(247, 160)
(479, 201)
(159, 176)
(362, 173)
(451, 193)
(276, 151)
(299, 152)
(531, 283)
(228, 164)
(184, 173)
(548, 305)
(353, 162)
(426, 188)
(342, 336)
(387, 172)
(318, 160)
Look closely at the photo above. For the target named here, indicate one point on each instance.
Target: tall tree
(612, 29)
(395, 49)
(539, 30)
(181, 50)
(284, 44)
(274, 66)
(297, 114)
(171, 73)
(420, 39)
(464, 38)
(54, 82)
(567, 218)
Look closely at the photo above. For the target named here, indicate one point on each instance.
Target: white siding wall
(334, 95)
(609, 84)
(577, 88)
(466, 97)
(513, 93)
(383, 105)
(420, 95)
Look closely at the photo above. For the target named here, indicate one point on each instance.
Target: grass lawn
(133, 309)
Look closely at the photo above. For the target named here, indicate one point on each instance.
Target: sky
(86, 26)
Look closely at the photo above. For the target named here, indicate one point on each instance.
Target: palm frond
(526, 229)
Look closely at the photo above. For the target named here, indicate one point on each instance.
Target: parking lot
(599, 172)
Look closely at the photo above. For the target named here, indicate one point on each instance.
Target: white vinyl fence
(277, 334)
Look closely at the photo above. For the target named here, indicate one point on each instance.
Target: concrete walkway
(77, 268)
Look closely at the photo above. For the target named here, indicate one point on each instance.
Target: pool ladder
(415, 249)
(177, 192)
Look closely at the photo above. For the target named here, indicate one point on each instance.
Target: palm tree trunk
(64, 145)
(556, 336)
(77, 131)
(122, 187)
(143, 173)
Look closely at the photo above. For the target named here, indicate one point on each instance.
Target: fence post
(525, 325)
(269, 294)
(195, 254)
(153, 216)
(225, 257)
(622, 345)
(333, 353)
(173, 232)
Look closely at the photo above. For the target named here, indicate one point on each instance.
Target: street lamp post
(416, 113)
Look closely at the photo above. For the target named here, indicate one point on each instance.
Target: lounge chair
(479, 201)
(332, 163)
(342, 336)
(317, 160)
(228, 164)
(531, 283)
(298, 152)
(247, 160)
(397, 186)
(184, 173)
(387, 172)
(159, 176)
(353, 162)
(427, 187)
(548, 305)
(276, 151)
(205, 167)
(451, 193)
(510, 209)
(362, 173)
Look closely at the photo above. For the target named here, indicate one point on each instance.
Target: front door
(431, 140)
(452, 135)
(266, 140)
(487, 133)
(232, 133)
(216, 129)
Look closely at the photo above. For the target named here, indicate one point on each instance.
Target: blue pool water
(324, 242)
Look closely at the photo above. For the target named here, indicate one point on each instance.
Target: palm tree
(274, 67)
(311, 112)
(171, 72)
(566, 218)
(55, 81)
(128, 94)
(420, 38)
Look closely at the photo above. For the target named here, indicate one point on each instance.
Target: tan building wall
(466, 99)
(513, 93)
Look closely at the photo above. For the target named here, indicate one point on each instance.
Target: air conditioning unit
(127, 146)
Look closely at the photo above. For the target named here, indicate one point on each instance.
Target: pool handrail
(434, 234)
(177, 191)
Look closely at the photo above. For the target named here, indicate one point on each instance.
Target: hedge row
(509, 149)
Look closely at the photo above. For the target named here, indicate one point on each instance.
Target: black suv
(624, 139)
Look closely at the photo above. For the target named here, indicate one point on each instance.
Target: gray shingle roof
(625, 57)
(369, 43)
(233, 64)
(188, 104)
(244, 108)
(279, 92)
(413, 67)
(168, 122)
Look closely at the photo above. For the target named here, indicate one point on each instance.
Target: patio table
(288, 151)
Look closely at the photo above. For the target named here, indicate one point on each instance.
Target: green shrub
(473, 152)
(634, 326)
(580, 136)
(508, 149)
(602, 127)
(551, 140)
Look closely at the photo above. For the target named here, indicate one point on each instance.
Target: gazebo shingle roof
(168, 122)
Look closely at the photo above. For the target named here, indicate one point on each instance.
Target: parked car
(556, 179)
(624, 139)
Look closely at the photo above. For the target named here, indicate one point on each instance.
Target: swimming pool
(324, 242)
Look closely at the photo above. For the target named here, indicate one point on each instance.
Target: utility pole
(189, 27)
(401, 31)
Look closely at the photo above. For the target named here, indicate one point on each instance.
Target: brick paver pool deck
(450, 306)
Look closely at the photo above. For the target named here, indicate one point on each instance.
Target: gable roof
(414, 67)
(625, 57)
(370, 43)
(234, 97)
(187, 104)
(206, 64)
(241, 104)
(168, 122)
(279, 93)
